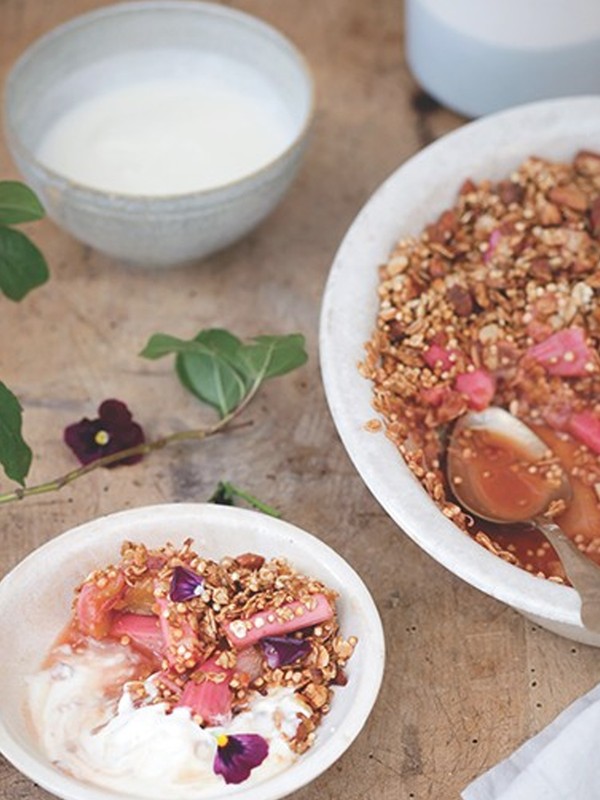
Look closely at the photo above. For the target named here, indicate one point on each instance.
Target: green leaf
(213, 380)
(220, 370)
(161, 344)
(15, 454)
(270, 356)
(18, 204)
(22, 266)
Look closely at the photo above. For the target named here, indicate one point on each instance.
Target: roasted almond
(570, 196)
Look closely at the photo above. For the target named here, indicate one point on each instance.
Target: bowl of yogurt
(105, 692)
(159, 132)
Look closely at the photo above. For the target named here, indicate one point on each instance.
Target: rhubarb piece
(249, 664)
(283, 650)
(279, 621)
(207, 693)
(565, 353)
(438, 356)
(139, 598)
(182, 648)
(493, 242)
(96, 599)
(585, 427)
(478, 387)
(434, 395)
(144, 631)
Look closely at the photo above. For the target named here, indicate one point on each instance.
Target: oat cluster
(511, 263)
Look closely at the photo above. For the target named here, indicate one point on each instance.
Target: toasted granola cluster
(220, 624)
(511, 265)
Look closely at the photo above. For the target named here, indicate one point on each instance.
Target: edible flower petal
(282, 650)
(185, 584)
(114, 430)
(238, 754)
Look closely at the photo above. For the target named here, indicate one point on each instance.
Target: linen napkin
(560, 763)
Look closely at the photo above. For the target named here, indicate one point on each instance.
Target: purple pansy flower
(238, 754)
(282, 650)
(113, 431)
(185, 585)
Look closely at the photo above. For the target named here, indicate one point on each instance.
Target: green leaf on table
(221, 370)
(15, 454)
(270, 356)
(18, 204)
(22, 266)
(205, 366)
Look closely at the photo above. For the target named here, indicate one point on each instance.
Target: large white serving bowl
(35, 603)
(411, 197)
(107, 49)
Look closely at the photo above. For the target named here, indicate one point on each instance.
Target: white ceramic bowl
(35, 602)
(411, 197)
(103, 50)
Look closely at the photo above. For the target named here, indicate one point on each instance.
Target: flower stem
(250, 499)
(138, 450)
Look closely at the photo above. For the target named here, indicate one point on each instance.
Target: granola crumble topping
(233, 602)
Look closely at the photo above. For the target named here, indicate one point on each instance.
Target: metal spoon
(583, 573)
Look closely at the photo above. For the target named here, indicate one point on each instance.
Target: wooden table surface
(467, 679)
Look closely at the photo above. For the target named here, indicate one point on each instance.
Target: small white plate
(410, 198)
(35, 603)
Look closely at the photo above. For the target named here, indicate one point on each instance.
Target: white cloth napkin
(560, 763)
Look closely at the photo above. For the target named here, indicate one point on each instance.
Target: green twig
(139, 450)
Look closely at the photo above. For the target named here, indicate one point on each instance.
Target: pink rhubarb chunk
(565, 353)
(209, 698)
(144, 631)
(438, 356)
(434, 395)
(585, 427)
(188, 639)
(478, 387)
(277, 622)
(493, 243)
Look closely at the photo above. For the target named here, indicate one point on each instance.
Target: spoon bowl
(502, 472)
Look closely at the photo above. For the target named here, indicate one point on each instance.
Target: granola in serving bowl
(181, 688)
(496, 303)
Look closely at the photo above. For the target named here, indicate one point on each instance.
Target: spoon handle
(583, 573)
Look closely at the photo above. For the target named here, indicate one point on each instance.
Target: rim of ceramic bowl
(161, 202)
(132, 522)
(350, 299)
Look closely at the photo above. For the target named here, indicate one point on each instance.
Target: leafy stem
(215, 366)
(109, 460)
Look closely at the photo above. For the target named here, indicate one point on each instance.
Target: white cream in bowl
(200, 121)
(113, 742)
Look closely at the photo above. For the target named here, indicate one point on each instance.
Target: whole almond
(587, 163)
(570, 196)
(250, 561)
(550, 215)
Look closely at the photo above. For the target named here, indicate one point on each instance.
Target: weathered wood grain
(467, 679)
